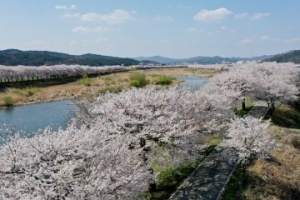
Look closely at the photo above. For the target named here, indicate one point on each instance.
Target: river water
(192, 82)
(30, 118)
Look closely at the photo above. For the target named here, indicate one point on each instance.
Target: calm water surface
(30, 118)
(192, 82)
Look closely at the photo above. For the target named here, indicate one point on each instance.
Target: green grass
(164, 80)
(28, 91)
(137, 79)
(215, 142)
(170, 177)
(234, 189)
(85, 80)
(249, 105)
(8, 101)
(286, 115)
(111, 89)
(242, 113)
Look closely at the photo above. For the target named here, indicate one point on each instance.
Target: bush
(28, 91)
(164, 80)
(169, 177)
(31, 91)
(85, 80)
(135, 83)
(8, 101)
(137, 80)
(111, 89)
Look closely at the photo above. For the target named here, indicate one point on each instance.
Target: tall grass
(85, 80)
(164, 80)
(28, 91)
(137, 79)
(8, 101)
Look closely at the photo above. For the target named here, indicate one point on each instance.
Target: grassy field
(58, 90)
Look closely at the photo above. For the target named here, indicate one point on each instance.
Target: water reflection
(31, 118)
(192, 82)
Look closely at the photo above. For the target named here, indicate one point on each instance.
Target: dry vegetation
(184, 71)
(18, 95)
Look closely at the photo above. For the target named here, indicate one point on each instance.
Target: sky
(169, 28)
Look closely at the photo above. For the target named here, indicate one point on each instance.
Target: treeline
(291, 56)
(14, 57)
(9, 74)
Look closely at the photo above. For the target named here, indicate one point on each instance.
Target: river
(30, 118)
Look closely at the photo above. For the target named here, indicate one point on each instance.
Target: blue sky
(171, 28)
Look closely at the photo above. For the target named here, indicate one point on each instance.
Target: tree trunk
(244, 104)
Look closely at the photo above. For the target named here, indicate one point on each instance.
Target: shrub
(167, 178)
(108, 78)
(85, 80)
(164, 80)
(17, 92)
(31, 91)
(8, 101)
(137, 80)
(28, 91)
(135, 83)
(111, 89)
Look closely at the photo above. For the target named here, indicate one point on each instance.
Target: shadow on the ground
(208, 181)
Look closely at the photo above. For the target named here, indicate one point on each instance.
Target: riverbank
(37, 93)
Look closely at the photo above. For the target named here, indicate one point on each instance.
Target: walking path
(259, 110)
(209, 180)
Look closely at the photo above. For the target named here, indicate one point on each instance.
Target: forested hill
(13, 57)
(291, 56)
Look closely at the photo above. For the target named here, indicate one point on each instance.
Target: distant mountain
(200, 59)
(13, 57)
(157, 59)
(291, 56)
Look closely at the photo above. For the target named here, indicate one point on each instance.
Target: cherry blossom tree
(266, 81)
(111, 155)
(21, 73)
(249, 137)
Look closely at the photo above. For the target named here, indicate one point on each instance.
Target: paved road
(259, 110)
(209, 179)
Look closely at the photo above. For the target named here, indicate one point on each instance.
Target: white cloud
(163, 19)
(80, 29)
(241, 16)
(268, 38)
(98, 29)
(225, 28)
(116, 16)
(294, 39)
(68, 15)
(65, 7)
(246, 41)
(258, 16)
(212, 15)
(281, 40)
